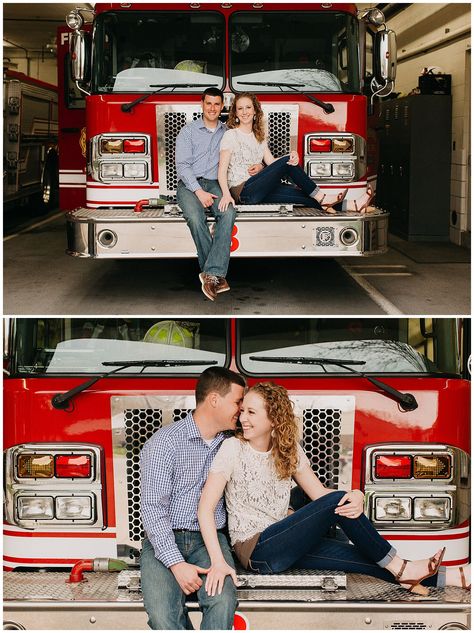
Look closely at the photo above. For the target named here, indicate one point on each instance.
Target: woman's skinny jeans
(266, 186)
(300, 541)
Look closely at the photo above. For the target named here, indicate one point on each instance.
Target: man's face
(228, 408)
(211, 108)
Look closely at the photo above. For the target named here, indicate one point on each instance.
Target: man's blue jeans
(299, 541)
(165, 601)
(266, 186)
(213, 252)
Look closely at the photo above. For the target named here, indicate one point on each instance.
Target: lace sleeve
(303, 461)
(224, 461)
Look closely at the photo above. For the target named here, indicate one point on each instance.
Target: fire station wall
(438, 35)
(35, 66)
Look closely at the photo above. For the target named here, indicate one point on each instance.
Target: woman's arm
(268, 158)
(224, 160)
(219, 569)
(307, 480)
(351, 505)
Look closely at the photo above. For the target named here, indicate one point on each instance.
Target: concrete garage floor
(40, 279)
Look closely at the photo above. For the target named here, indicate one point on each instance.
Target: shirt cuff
(172, 558)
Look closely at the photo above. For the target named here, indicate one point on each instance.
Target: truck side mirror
(80, 49)
(385, 56)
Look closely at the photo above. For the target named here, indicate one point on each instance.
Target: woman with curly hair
(243, 177)
(255, 470)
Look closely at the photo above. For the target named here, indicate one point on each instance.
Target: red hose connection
(76, 574)
(138, 208)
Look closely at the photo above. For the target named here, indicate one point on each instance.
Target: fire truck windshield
(315, 49)
(86, 346)
(380, 346)
(134, 49)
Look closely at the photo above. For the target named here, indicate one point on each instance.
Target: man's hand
(187, 576)
(205, 197)
(351, 505)
(254, 169)
(216, 577)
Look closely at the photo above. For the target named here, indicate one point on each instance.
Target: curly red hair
(280, 412)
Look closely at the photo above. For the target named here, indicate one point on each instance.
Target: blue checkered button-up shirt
(174, 465)
(197, 152)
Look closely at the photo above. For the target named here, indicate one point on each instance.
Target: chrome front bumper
(285, 232)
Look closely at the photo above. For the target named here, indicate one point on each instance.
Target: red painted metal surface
(378, 419)
(442, 417)
(104, 113)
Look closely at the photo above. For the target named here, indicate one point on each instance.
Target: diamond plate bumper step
(112, 587)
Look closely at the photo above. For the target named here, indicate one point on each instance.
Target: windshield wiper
(406, 400)
(126, 107)
(61, 400)
(327, 107)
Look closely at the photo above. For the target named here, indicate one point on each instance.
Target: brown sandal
(329, 207)
(414, 585)
(363, 208)
(463, 579)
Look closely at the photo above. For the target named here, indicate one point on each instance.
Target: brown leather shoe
(209, 285)
(222, 285)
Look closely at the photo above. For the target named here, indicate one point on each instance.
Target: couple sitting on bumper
(219, 166)
(198, 478)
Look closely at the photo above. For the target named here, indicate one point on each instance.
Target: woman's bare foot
(454, 576)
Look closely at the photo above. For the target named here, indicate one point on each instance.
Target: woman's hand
(254, 169)
(351, 505)
(294, 159)
(216, 577)
(225, 201)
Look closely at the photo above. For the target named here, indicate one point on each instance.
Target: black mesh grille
(174, 121)
(140, 425)
(321, 442)
(279, 133)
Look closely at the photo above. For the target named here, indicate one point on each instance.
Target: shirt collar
(202, 126)
(193, 431)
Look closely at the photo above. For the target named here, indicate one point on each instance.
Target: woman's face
(253, 417)
(244, 109)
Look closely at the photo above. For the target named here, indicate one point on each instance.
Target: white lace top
(255, 497)
(245, 150)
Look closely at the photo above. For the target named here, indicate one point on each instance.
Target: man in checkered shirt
(174, 465)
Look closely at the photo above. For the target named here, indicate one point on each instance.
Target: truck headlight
(319, 170)
(111, 170)
(134, 170)
(392, 508)
(432, 509)
(35, 508)
(343, 169)
(73, 508)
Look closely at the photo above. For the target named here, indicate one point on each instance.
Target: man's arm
(156, 466)
(155, 470)
(184, 160)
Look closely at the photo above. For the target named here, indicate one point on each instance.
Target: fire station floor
(39, 278)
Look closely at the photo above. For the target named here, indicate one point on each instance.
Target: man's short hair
(218, 379)
(212, 92)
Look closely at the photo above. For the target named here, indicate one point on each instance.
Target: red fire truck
(142, 69)
(383, 405)
(30, 138)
